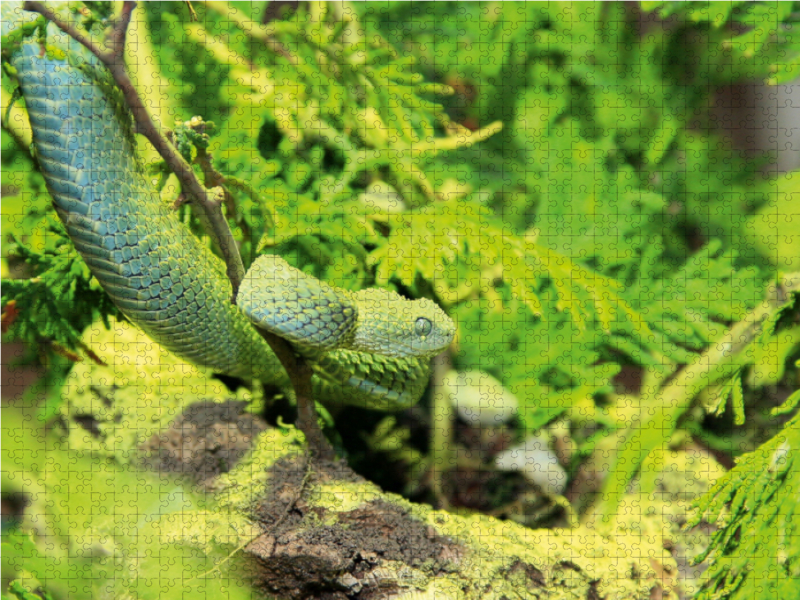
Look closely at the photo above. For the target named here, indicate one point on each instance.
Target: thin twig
(290, 506)
(116, 39)
(213, 178)
(67, 28)
(192, 13)
(112, 58)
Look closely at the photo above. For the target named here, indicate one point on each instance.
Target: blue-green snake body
(371, 348)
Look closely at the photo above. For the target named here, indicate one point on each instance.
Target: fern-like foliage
(538, 359)
(327, 111)
(344, 106)
(756, 39)
(755, 553)
(325, 80)
(549, 172)
(60, 298)
(706, 293)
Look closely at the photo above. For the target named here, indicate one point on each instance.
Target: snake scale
(371, 348)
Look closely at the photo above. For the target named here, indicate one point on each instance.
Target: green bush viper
(371, 348)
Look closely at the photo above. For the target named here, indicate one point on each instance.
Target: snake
(370, 348)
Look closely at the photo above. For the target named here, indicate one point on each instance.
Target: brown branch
(200, 197)
(213, 178)
(116, 39)
(192, 13)
(292, 504)
(300, 372)
(67, 28)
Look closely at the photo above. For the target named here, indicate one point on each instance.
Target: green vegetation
(551, 174)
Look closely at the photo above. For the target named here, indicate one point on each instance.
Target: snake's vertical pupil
(423, 326)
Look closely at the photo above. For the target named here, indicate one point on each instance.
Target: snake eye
(422, 327)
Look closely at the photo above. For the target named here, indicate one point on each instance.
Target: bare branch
(299, 371)
(200, 197)
(50, 15)
(213, 178)
(116, 39)
(192, 13)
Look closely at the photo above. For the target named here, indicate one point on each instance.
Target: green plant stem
(722, 360)
(441, 429)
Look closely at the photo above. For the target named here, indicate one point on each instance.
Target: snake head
(318, 317)
(296, 306)
(394, 326)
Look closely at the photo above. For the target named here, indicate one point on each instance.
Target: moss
(246, 483)
(114, 407)
(650, 519)
(507, 560)
(341, 496)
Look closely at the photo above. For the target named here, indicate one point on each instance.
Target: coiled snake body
(370, 348)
